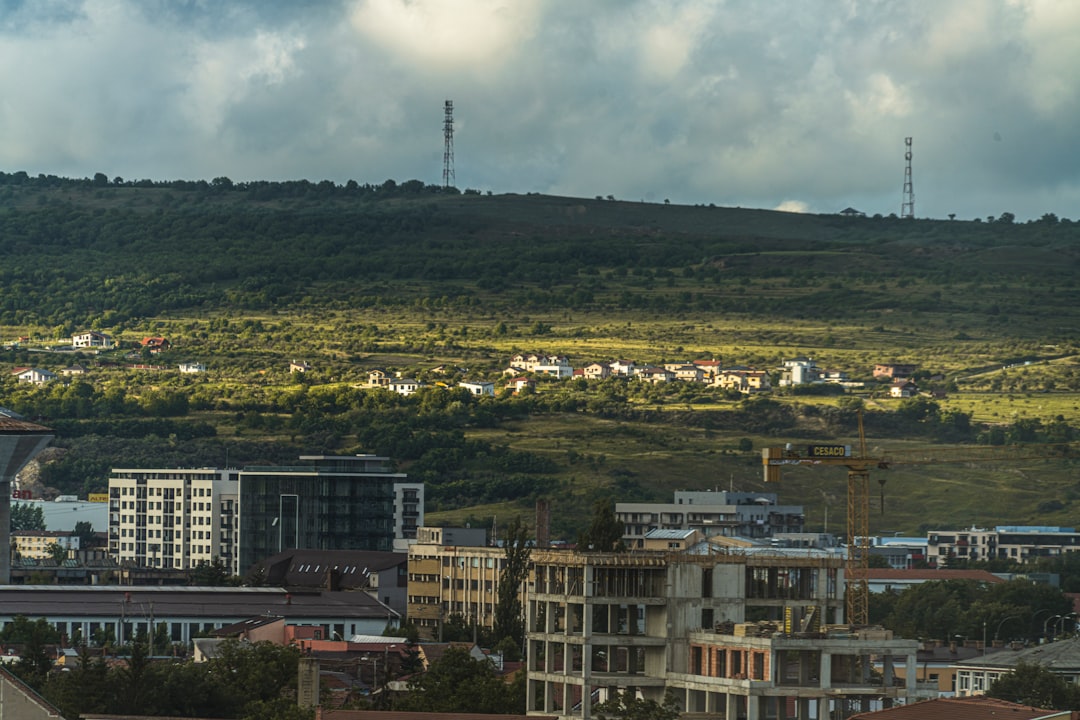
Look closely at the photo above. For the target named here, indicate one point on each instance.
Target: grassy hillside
(407, 278)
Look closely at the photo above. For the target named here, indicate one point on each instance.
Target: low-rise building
(1018, 543)
(36, 544)
(750, 515)
(903, 388)
(969, 708)
(900, 553)
(33, 375)
(893, 580)
(478, 387)
(800, 371)
(91, 339)
(744, 381)
(92, 612)
(974, 676)
(155, 344)
(892, 371)
(382, 575)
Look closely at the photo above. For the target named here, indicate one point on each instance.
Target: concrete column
(910, 675)
(731, 706)
(753, 711)
(826, 670)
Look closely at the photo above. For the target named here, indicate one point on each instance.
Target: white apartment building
(174, 518)
(741, 514)
(180, 518)
(1019, 543)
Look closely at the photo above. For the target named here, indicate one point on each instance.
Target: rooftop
(180, 601)
(1060, 656)
(969, 708)
(920, 575)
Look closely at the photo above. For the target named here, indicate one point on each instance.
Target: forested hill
(103, 252)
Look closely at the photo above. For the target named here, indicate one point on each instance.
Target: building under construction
(733, 633)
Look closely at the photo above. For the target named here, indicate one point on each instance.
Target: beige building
(34, 544)
(652, 622)
(452, 572)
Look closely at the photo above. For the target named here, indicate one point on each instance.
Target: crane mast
(858, 463)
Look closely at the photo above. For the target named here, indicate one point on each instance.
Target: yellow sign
(829, 451)
(98, 497)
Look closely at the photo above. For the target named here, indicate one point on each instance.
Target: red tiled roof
(927, 575)
(970, 708)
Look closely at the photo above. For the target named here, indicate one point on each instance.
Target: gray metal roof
(212, 603)
(668, 534)
(1060, 656)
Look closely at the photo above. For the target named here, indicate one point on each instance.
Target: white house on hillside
(35, 376)
(478, 388)
(91, 339)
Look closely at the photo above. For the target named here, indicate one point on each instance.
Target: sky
(799, 105)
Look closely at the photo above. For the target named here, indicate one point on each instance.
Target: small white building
(800, 371)
(403, 386)
(34, 376)
(192, 367)
(478, 388)
(91, 339)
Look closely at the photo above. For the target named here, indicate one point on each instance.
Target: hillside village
(522, 371)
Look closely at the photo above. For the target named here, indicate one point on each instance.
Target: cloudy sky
(793, 104)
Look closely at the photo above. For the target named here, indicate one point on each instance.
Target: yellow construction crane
(859, 464)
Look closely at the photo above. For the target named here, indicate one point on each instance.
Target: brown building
(452, 572)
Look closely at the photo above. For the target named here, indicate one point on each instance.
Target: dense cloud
(802, 104)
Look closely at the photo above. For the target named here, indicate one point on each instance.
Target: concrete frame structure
(742, 514)
(599, 623)
(762, 676)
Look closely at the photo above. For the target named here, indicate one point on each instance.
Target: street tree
(1035, 685)
(605, 532)
(509, 616)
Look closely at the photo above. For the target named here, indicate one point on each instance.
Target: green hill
(408, 278)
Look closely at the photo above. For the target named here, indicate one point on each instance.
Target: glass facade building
(323, 502)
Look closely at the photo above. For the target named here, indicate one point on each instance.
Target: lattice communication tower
(907, 206)
(448, 178)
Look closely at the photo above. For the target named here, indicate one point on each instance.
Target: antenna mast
(907, 207)
(448, 178)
